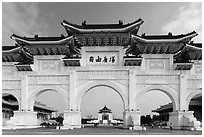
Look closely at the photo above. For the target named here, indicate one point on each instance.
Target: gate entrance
(110, 55)
(102, 105)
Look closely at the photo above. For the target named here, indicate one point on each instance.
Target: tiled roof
(190, 52)
(37, 38)
(104, 109)
(101, 26)
(169, 36)
(184, 38)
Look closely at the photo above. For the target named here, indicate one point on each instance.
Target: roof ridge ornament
(84, 23)
(170, 33)
(36, 36)
(120, 22)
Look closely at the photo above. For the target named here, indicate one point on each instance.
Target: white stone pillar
(72, 90)
(25, 118)
(23, 102)
(176, 119)
(131, 90)
(132, 119)
(182, 93)
(184, 120)
(72, 119)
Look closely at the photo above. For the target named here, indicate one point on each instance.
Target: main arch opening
(102, 105)
(155, 107)
(49, 105)
(9, 105)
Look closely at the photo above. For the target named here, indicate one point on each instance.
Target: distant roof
(105, 110)
(168, 106)
(37, 104)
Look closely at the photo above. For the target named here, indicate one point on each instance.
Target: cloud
(187, 19)
(22, 19)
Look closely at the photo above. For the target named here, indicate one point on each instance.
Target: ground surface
(98, 131)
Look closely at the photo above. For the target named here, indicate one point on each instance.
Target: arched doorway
(155, 107)
(49, 103)
(10, 104)
(97, 100)
(194, 103)
(104, 85)
(171, 94)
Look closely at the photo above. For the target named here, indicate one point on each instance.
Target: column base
(24, 119)
(131, 120)
(184, 120)
(72, 119)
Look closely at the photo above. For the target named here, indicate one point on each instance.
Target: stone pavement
(98, 131)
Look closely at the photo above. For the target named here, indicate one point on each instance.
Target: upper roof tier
(99, 28)
(164, 38)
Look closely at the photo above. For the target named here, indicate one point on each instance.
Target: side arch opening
(10, 104)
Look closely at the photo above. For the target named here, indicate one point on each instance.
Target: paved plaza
(98, 131)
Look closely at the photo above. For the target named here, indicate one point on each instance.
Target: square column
(132, 119)
(25, 119)
(184, 120)
(72, 119)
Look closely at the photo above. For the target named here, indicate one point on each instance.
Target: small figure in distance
(152, 125)
(171, 126)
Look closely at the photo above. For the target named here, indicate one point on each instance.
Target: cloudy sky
(28, 19)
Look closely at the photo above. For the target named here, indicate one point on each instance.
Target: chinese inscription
(100, 59)
(103, 58)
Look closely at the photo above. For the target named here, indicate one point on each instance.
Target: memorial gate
(110, 55)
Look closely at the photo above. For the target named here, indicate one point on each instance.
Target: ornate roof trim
(21, 39)
(186, 37)
(82, 30)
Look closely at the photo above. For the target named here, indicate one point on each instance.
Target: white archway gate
(130, 82)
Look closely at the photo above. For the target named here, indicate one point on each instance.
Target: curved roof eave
(187, 38)
(42, 42)
(81, 30)
(193, 47)
(185, 50)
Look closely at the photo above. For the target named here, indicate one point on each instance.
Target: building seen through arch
(10, 104)
(111, 55)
